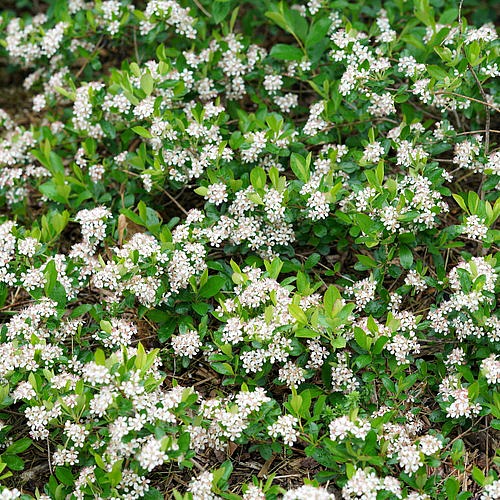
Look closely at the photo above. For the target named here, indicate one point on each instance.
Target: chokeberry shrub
(249, 250)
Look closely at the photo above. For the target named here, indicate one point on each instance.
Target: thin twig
(486, 108)
(470, 132)
(484, 103)
(198, 4)
(96, 50)
(136, 49)
(460, 15)
(172, 199)
(48, 456)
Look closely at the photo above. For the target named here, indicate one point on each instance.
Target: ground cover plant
(249, 250)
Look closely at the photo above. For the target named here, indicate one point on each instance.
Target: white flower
(217, 193)
(291, 374)
(373, 152)
(475, 228)
(490, 367)
(308, 492)
(186, 344)
(285, 426)
(201, 487)
(273, 83)
(151, 454)
(491, 491)
(429, 444)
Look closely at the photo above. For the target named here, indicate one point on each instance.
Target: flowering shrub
(249, 250)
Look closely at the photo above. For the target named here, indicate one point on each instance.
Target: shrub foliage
(249, 250)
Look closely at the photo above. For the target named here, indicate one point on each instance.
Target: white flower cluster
(255, 293)
(186, 344)
(17, 163)
(414, 195)
(151, 454)
(455, 315)
(373, 152)
(308, 492)
(343, 378)
(415, 280)
(490, 367)
(318, 202)
(474, 228)
(217, 193)
(9, 494)
(491, 491)
(362, 60)
(172, 14)
(466, 152)
(366, 485)
(228, 418)
(201, 487)
(93, 225)
(27, 42)
(404, 343)
(363, 292)
(407, 447)
(344, 427)
(285, 427)
(457, 398)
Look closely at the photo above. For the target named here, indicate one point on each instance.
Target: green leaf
(115, 476)
(142, 132)
(202, 191)
(19, 446)
(255, 198)
(223, 368)
(65, 475)
(106, 326)
(366, 261)
(284, 52)
(362, 338)
(154, 494)
(295, 22)
(473, 391)
(452, 487)
(220, 10)
(460, 201)
(425, 13)
(100, 357)
(140, 357)
(278, 18)
(299, 166)
(478, 476)
(80, 310)
(212, 287)
(330, 297)
(318, 31)
(306, 333)
(13, 462)
(147, 83)
(405, 257)
(465, 280)
(296, 403)
(365, 223)
(258, 178)
(50, 274)
(55, 192)
(298, 313)
(473, 201)
(473, 52)
(437, 72)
